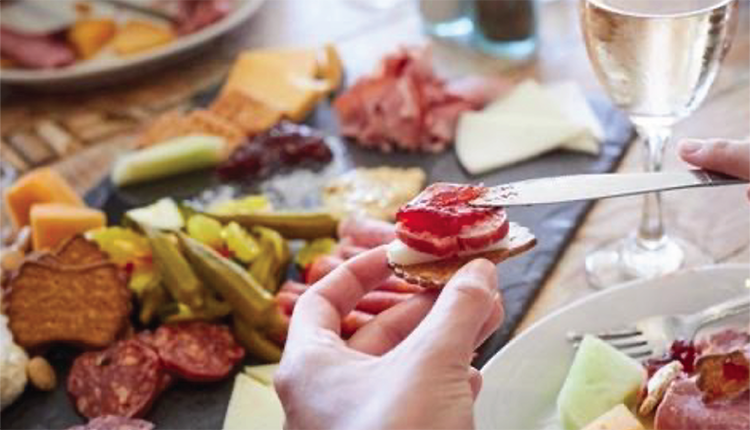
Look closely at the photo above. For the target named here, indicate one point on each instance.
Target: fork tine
(624, 344)
(607, 335)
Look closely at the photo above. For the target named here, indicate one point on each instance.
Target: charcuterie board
(204, 406)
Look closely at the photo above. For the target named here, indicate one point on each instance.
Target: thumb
(450, 331)
(730, 157)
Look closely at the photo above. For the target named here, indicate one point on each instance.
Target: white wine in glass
(657, 60)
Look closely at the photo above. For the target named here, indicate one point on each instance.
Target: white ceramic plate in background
(110, 69)
(522, 381)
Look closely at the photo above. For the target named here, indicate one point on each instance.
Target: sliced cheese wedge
(262, 373)
(577, 109)
(559, 102)
(253, 406)
(486, 142)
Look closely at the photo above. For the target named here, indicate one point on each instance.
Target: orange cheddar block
(137, 36)
(284, 79)
(42, 185)
(53, 223)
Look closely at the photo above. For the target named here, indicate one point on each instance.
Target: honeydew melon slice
(599, 379)
(178, 155)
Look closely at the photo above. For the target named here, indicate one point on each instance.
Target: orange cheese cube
(137, 36)
(88, 36)
(42, 185)
(52, 223)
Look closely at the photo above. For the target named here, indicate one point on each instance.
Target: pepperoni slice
(123, 380)
(484, 233)
(443, 210)
(197, 351)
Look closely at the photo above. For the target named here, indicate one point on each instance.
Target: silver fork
(652, 336)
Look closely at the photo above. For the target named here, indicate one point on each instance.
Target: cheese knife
(562, 189)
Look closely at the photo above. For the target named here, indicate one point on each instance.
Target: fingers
(730, 157)
(328, 300)
(460, 315)
(493, 321)
(475, 381)
(392, 326)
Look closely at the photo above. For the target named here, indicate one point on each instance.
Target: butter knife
(573, 188)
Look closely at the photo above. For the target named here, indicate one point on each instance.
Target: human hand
(725, 156)
(410, 367)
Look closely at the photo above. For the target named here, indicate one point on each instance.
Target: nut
(11, 259)
(41, 374)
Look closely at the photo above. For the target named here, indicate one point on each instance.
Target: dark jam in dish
(684, 352)
(443, 209)
(285, 145)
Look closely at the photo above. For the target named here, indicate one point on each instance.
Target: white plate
(109, 69)
(522, 381)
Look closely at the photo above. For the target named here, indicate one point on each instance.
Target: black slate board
(193, 406)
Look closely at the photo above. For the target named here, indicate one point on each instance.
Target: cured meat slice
(684, 409)
(197, 351)
(123, 380)
(111, 422)
(366, 232)
(35, 51)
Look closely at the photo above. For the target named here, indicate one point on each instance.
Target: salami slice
(198, 351)
(111, 422)
(123, 380)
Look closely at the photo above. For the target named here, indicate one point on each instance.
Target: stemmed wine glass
(657, 60)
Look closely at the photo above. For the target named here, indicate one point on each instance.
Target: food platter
(287, 185)
(109, 69)
(510, 400)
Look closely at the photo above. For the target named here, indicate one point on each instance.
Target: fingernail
(690, 146)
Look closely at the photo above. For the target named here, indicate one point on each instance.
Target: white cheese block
(485, 142)
(253, 406)
(399, 253)
(262, 373)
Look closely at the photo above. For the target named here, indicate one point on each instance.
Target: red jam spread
(443, 209)
(285, 145)
(440, 221)
(684, 352)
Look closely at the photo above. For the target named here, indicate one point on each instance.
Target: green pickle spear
(291, 225)
(255, 342)
(177, 275)
(249, 300)
(270, 268)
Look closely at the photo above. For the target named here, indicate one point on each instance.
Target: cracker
(436, 274)
(175, 124)
(251, 115)
(86, 305)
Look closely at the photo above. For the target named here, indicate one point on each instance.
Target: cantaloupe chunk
(90, 35)
(137, 36)
(618, 418)
(284, 79)
(52, 223)
(42, 185)
(599, 379)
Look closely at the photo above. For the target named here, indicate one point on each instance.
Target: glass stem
(651, 229)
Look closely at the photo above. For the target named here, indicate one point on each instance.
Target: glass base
(630, 258)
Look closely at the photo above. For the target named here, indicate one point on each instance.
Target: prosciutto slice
(404, 105)
(683, 409)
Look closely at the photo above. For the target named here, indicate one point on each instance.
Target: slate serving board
(194, 406)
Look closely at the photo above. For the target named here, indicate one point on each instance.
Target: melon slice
(599, 379)
(178, 155)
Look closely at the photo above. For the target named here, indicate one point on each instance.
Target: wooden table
(101, 123)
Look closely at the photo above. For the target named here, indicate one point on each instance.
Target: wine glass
(657, 60)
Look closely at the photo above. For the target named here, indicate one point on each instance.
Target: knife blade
(573, 188)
